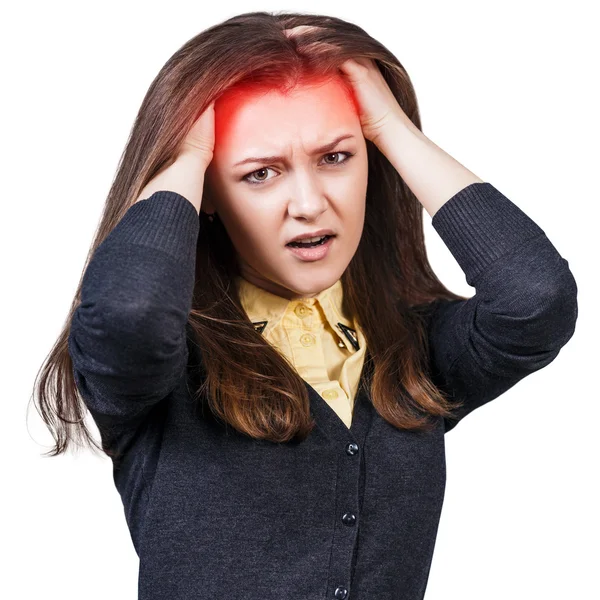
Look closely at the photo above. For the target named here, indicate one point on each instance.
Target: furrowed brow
(268, 159)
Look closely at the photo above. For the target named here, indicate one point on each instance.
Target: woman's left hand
(378, 107)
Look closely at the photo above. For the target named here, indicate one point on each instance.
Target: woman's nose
(308, 206)
(307, 198)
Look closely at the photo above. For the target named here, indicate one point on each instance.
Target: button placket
(345, 536)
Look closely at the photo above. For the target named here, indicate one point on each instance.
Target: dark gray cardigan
(348, 513)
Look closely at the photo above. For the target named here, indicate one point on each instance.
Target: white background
(509, 89)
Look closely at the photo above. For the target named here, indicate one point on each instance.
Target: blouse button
(307, 339)
(301, 310)
(330, 394)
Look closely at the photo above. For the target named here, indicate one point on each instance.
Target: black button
(340, 592)
(351, 448)
(349, 519)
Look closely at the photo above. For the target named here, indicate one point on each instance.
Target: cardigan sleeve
(127, 339)
(524, 308)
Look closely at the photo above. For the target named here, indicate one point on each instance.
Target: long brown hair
(249, 384)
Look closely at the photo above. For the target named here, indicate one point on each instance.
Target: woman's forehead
(307, 115)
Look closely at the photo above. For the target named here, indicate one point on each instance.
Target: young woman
(275, 411)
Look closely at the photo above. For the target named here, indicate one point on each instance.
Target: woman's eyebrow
(326, 148)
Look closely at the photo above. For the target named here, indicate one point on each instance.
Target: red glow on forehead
(328, 92)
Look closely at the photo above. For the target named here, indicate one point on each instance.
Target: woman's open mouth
(312, 251)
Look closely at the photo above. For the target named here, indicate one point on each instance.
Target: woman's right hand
(185, 175)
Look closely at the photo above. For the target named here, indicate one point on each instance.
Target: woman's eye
(338, 163)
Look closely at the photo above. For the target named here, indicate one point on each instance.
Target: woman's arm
(127, 339)
(524, 309)
(525, 306)
(432, 175)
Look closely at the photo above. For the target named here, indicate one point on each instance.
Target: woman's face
(265, 203)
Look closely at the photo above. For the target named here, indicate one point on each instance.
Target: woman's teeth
(308, 241)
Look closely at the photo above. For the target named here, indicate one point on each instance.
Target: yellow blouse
(325, 345)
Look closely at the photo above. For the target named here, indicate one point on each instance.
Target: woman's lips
(315, 253)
